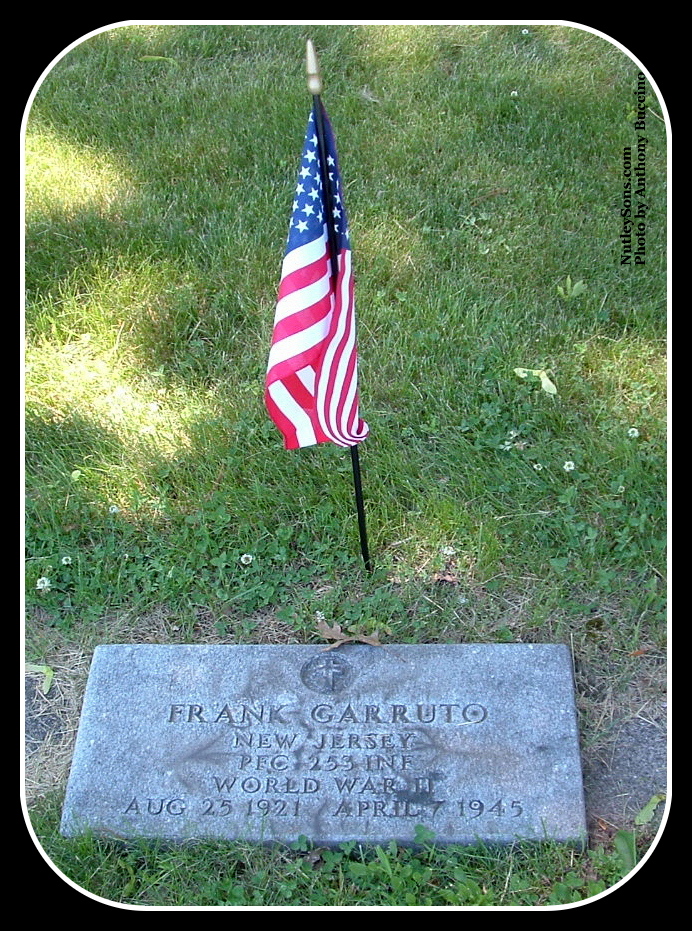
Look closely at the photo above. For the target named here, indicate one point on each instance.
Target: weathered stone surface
(266, 743)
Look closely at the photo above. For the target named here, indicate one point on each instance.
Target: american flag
(312, 385)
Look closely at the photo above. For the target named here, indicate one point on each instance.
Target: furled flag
(312, 385)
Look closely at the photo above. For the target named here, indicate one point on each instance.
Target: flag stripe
(291, 396)
(337, 386)
(311, 304)
(303, 256)
(290, 417)
(298, 280)
(344, 388)
(296, 351)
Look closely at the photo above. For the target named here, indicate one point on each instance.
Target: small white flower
(537, 466)
(448, 551)
(513, 434)
(43, 584)
(569, 466)
(113, 509)
(514, 93)
(66, 560)
(524, 32)
(506, 445)
(633, 432)
(319, 616)
(246, 559)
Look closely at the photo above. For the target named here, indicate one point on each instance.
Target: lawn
(483, 170)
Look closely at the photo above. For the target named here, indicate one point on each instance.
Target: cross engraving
(326, 673)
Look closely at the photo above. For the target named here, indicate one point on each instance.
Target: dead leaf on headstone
(372, 639)
(337, 634)
(330, 633)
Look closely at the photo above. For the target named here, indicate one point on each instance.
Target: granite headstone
(368, 743)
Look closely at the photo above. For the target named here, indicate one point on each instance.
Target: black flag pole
(315, 88)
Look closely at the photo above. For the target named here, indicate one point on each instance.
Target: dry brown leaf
(330, 633)
(337, 634)
(372, 639)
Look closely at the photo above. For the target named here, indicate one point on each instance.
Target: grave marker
(267, 743)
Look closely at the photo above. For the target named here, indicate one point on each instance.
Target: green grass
(482, 169)
(351, 875)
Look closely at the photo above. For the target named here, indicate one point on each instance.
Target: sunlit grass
(83, 392)
(134, 306)
(64, 177)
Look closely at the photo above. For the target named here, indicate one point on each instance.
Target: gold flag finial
(313, 70)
